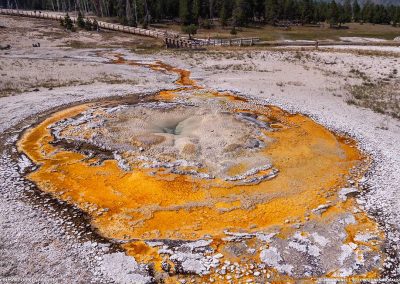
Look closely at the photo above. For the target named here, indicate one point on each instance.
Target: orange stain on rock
(310, 158)
(313, 164)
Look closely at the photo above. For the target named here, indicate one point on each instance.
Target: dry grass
(269, 33)
(137, 43)
(10, 90)
(382, 98)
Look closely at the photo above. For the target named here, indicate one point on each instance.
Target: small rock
(346, 192)
(321, 209)
(353, 245)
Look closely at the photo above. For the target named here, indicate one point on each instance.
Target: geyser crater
(197, 141)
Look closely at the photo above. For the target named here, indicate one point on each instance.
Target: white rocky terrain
(317, 84)
(47, 240)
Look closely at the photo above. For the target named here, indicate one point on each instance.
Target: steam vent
(201, 185)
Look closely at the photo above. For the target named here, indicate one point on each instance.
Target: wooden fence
(232, 42)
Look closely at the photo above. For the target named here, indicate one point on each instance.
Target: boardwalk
(171, 39)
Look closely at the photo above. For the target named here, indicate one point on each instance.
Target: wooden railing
(230, 42)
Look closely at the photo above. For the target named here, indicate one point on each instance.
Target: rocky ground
(46, 241)
(37, 243)
(317, 84)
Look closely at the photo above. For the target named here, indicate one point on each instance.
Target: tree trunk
(135, 7)
(147, 14)
(211, 3)
(52, 5)
(128, 12)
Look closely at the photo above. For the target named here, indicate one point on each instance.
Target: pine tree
(259, 9)
(68, 24)
(190, 30)
(367, 12)
(333, 13)
(356, 11)
(80, 20)
(271, 11)
(289, 10)
(128, 13)
(120, 8)
(224, 14)
(348, 11)
(397, 16)
(307, 11)
(381, 15)
(236, 15)
(95, 25)
(196, 10)
(242, 13)
(342, 15)
(184, 12)
(88, 25)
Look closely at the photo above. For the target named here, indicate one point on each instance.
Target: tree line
(229, 12)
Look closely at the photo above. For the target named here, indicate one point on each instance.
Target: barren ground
(351, 91)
